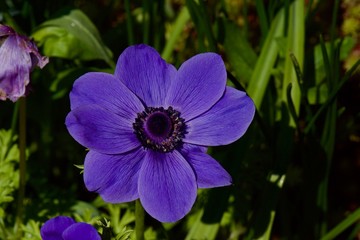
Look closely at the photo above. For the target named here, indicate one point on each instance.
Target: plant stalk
(22, 164)
(139, 220)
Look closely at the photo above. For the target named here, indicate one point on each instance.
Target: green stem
(180, 22)
(245, 13)
(279, 181)
(333, 28)
(13, 126)
(147, 6)
(129, 23)
(265, 63)
(332, 97)
(295, 45)
(206, 26)
(22, 163)
(264, 24)
(347, 222)
(139, 220)
(115, 217)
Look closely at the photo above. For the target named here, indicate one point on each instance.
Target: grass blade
(180, 22)
(342, 226)
(265, 63)
(295, 45)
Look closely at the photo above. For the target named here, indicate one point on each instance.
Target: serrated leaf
(72, 36)
(9, 176)
(125, 234)
(31, 230)
(84, 212)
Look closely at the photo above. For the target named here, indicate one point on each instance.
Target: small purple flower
(65, 228)
(18, 56)
(148, 125)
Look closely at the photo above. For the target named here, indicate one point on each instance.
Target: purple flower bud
(65, 228)
(18, 56)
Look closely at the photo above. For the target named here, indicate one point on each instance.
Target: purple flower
(65, 228)
(18, 56)
(148, 125)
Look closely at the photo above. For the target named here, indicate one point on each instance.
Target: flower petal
(141, 69)
(6, 30)
(30, 47)
(79, 231)
(101, 130)
(114, 177)
(15, 69)
(53, 228)
(209, 173)
(199, 84)
(167, 186)
(105, 90)
(224, 123)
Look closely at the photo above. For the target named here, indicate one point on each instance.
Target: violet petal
(15, 69)
(167, 186)
(114, 177)
(105, 90)
(199, 84)
(53, 228)
(101, 130)
(30, 47)
(6, 30)
(224, 123)
(80, 231)
(144, 72)
(209, 173)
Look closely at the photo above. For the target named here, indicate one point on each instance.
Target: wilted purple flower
(65, 228)
(148, 125)
(18, 56)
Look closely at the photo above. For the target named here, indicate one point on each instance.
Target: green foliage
(240, 53)
(201, 230)
(264, 65)
(9, 175)
(72, 36)
(197, 10)
(31, 230)
(319, 93)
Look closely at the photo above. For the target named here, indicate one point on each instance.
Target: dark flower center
(160, 129)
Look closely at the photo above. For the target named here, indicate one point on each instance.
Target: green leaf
(9, 176)
(295, 45)
(265, 64)
(318, 94)
(85, 212)
(124, 234)
(179, 25)
(343, 225)
(72, 36)
(332, 96)
(199, 16)
(64, 80)
(31, 230)
(200, 230)
(240, 53)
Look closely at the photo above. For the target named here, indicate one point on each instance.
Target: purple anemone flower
(65, 228)
(18, 56)
(148, 125)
